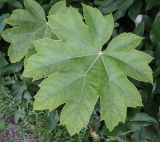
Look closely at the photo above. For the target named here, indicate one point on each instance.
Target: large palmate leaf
(78, 71)
(28, 25)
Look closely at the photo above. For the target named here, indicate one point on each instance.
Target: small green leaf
(155, 31)
(118, 6)
(151, 3)
(123, 8)
(2, 23)
(29, 24)
(135, 10)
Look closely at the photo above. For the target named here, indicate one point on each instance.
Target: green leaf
(144, 135)
(108, 6)
(134, 10)
(15, 3)
(151, 3)
(3, 61)
(155, 31)
(120, 6)
(139, 30)
(123, 8)
(11, 68)
(78, 72)
(134, 123)
(141, 120)
(2, 24)
(29, 24)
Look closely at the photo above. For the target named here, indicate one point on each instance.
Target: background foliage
(16, 92)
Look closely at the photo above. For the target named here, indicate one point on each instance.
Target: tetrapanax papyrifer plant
(76, 71)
